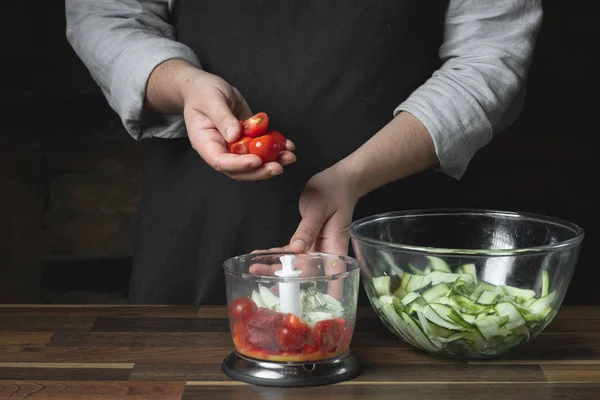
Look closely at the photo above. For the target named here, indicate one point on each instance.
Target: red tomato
(327, 334)
(309, 349)
(294, 333)
(256, 125)
(241, 146)
(293, 322)
(265, 147)
(241, 309)
(289, 340)
(279, 138)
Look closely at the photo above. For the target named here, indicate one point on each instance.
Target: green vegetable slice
(440, 309)
(438, 264)
(382, 285)
(545, 283)
(435, 291)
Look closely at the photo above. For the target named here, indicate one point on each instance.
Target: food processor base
(265, 373)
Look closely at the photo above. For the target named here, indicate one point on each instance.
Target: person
(377, 99)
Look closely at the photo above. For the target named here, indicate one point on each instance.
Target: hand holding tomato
(212, 111)
(267, 146)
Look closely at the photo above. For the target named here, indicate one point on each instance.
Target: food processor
(292, 318)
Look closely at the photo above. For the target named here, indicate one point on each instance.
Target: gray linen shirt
(477, 92)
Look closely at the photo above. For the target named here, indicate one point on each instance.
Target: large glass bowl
(464, 283)
(321, 328)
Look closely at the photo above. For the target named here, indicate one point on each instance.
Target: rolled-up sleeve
(479, 89)
(121, 42)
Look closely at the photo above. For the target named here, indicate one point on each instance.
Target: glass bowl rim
(355, 263)
(429, 212)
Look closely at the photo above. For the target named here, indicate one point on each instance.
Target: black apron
(329, 73)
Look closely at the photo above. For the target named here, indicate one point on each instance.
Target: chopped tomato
(309, 349)
(279, 139)
(241, 146)
(256, 125)
(239, 333)
(261, 329)
(293, 322)
(327, 334)
(290, 340)
(265, 147)
(268, 334)
(294, 333)
(241, 309)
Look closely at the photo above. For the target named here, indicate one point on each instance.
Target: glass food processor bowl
(292, 317)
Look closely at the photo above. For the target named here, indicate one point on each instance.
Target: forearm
(479, 89)
(121, 42)
(164, 92)
(402, 148)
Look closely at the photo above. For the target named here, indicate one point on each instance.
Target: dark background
(69, 174)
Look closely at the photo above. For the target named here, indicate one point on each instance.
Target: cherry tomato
(309, 349)
(289, 340)
(293, 322)
(241, 309)
(265, 147)
(294, 333)
(256, 125)
(279, 138)
(241, 146)
(327, 334)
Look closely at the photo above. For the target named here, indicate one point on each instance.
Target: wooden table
(165, 352)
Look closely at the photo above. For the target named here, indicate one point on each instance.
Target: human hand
(326, 206)
(212, 110)
(310, 265)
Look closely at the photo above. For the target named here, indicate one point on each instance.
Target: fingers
(247, 167)
(265, 171)
(212, 149)
(217, 109)
(241, 107)
(286, 158)
(273, 250)
(310, 226)
(263, 269)
(308, 267)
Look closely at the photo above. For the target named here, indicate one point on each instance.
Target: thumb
(312, 221)
(218, 111)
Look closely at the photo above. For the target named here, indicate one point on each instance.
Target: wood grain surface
(165, 352)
